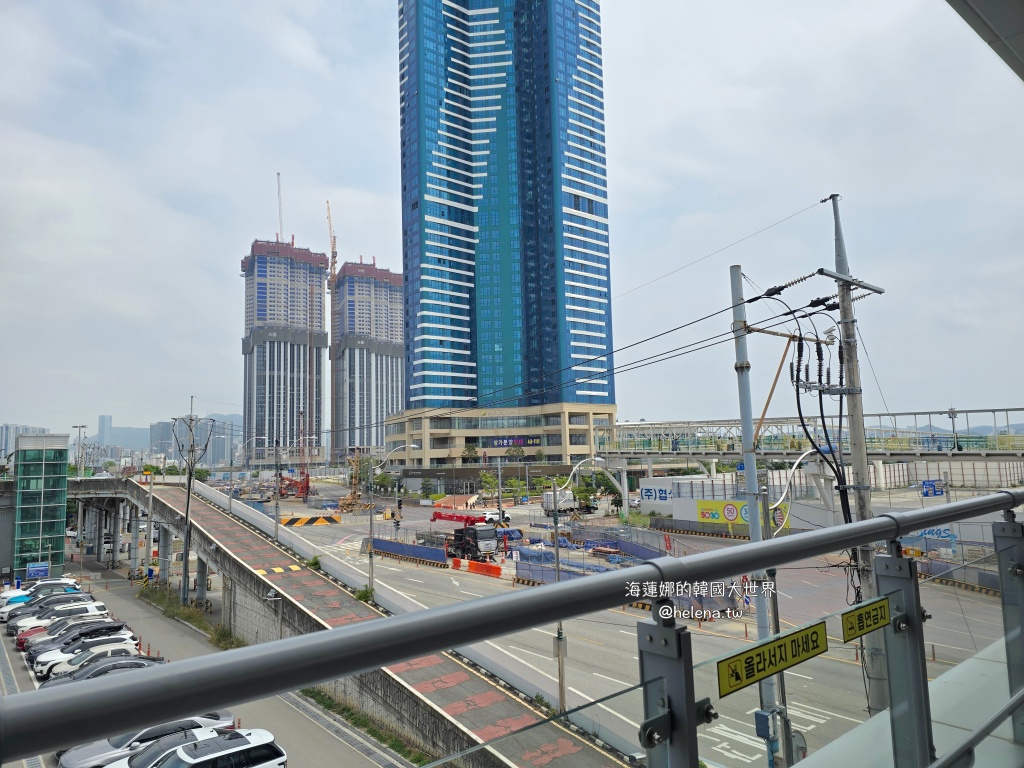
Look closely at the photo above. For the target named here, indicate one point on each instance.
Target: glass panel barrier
(584, 733)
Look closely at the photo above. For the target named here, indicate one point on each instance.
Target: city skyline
(721, 122)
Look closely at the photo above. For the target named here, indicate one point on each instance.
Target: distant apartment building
(161, 439)
(103, 436)
(282, 350)
(367, 354)
(8, 434)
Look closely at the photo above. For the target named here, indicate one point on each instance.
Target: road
(306, 734)
(825, 695)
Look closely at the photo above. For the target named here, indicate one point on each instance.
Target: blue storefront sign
(37, 570)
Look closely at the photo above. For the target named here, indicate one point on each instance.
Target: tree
(427, 488)
(584, 495)
(540, 483)
(488, 482)
(515, 453)
(202, 474)
(153, 469)
(517, 487)
(109, 464)
(384, 481)
(539, 456)
(469, 455)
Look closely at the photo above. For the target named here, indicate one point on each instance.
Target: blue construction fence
(415, 551)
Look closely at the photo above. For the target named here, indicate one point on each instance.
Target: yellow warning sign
(865, 618)
(771, 657)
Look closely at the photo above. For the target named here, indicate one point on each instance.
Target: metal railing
(105, 706)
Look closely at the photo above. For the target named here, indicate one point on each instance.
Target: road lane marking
(543, 632)
(418, 581)
(797, 674)
(473, 594)
(607, 709)
(532, 653)
(620, 682)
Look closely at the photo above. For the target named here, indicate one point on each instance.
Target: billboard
(728, 512)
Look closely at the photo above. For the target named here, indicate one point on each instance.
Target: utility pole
(559, 639)
(742, 366)
(194, 454)
(79, 461)
(874, 652)
(500, 516)
(277, 486)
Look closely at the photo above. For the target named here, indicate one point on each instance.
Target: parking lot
(303, 731)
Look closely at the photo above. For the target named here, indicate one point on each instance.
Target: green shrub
(314, 563)
(223, 639)
(365, 594)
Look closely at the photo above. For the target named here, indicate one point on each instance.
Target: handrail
(965, 747)
(95, 708)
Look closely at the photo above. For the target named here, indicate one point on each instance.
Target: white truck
(566, 502)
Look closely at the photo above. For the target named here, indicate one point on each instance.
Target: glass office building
(504, 204)
(41, 494)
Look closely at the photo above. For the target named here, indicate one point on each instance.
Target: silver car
(107, 751)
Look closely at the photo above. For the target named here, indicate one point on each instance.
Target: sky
(140, 142)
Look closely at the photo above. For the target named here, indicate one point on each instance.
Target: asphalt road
(306, 734)
(825, 695)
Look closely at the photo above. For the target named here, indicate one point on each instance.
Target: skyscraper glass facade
(504, 202)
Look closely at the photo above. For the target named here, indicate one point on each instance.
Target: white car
(79, 660)
(46, 618)
(634, 503)
(252, 749)
(492, 516)
(31, 589)
(157, 749)
(52, 659)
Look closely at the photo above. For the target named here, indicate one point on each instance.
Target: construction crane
(334, 249)
(464, 519)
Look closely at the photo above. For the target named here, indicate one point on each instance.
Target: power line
(720, 250)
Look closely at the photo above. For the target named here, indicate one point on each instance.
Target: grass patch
(362, 722)
(168, 601)
(365, 594)
(223, 639)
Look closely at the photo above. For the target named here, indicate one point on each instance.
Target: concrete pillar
(164, 554)
(115, 536)
(713, 468)
(97, 533)
(227, 603)
(879, 483)
(650, 467)
(81, 518)
(133, 539)
(202, 572)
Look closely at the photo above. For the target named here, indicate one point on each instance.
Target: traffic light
(398, 523)
(399, 505)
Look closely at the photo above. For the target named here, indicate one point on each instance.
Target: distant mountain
(1015, 429)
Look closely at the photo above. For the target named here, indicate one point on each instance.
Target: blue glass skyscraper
(504, 203)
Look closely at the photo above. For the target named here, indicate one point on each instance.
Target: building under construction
(283, 353)
(367, 355)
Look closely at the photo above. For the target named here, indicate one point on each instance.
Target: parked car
(634, 503)
(24, 640)
(109, 666)
(52, 659)
(72, 635)
(157, 749)
(252, 749)
(125, 647)
(11, 612)
(50, 615)
(106, 751)
(15, 596)
(29, 586)
(492, 516)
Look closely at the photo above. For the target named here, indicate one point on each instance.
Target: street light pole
(78, 462)
(559, 641)
(373, 469)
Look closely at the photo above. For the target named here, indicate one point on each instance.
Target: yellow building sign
(865, 618)
(729, 512)
(771, 657)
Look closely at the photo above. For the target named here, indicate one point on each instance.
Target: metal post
(910, 715)
(739, 329)
(277, 486)
(499, 489)
(1008, 537)
(559, 640)
(874, 661)
(669, 728)
(369, 548)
